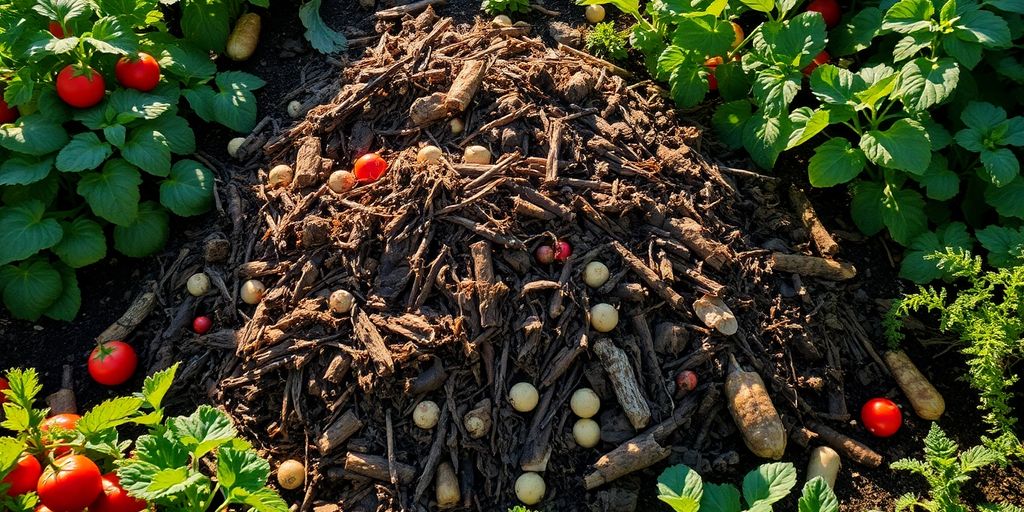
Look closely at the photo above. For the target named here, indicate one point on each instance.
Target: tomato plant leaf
(24, 231)
(148, 150)
(1005, 245)
(206, 23)
(30, 288)
(146, 235)
(721, 498)
(109, 414)
(1008, 200)
(188, 190)
(817, 496)
(903, 213)
(33, 135)
(23, 170)
(322, 37)
(856, 33)
(768, 483)
(766, 137)
(241, 469)
(940, 183)
(835, 162)
(681, 487)
(903, 146)
(112, 193)
(202, 431)
(85, 152)
(866, 207)
(83, 243)
(910, 45)
(924, 83)
(907, 16)
(920, 269)
(729, 119)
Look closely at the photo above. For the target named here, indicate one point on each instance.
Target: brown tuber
(291, 474)
(754, 413)
(478, 420)
(243, 39)
(924, 398)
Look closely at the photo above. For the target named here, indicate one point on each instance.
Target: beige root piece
(411, 8)
(447, 486)
(813, 266)
(478, 420)
(308, 163)
(624, 382)
(825, 463)
(850, 448)
(812, 223)
(376, 467)
(716, 315)
(140, 308)
(754, 413)
(440, 105)
(63, 400)
(924, 398)
(338, 432)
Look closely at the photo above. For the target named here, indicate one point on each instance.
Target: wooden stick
(401, 10)
(826, 245)
(851, 449)
(813, 266)
(651, 278)
(624, 382)
(377, 468)
(338, 432)
(140, 308)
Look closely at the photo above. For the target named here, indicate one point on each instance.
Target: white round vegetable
(595, 274)
(198, 285)
(477, 155)
(280, 176)
(523, 396)
(457, 126)
(425, 414)
(291, 474)
(585, 403)
(294, 109)
(341, 301)
(586, 432)
(502, 20)
(341, 181)
(252, 291)
(234, 145)
(604, 317)
(530, 488)
(429, 155)
(594, 13)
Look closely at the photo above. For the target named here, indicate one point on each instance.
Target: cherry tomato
(23, 476)
(712, 64)
(818, 60)
(881, 417)
(55, 29)
(829, 10)
(739, 34)
(80, 88)
(7, 114)
(369, 167)
(114, 498)
(141, 72)
(112, 363)
(202, 324)
(686, 381)
(70, 485)
(562, 250)
(3, 385)
(545, 254)
(60, 422)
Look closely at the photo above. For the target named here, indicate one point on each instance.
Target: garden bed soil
(292, 71)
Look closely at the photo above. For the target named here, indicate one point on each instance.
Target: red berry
(369, 167)
(881, 416)
(3, 385)
(562, 250)
(818, 60)
(8, 114)
(202, 324)
(544, 254)
(829, 10)
(686, 381)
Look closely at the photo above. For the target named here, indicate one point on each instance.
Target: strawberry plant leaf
(712, 35)
(234, 105)
(44, 190)
(112, 193)
(33, 135)
(835, 85)
(82, 244)
(19, 87)
(1005, 245)
(856, 33)
(924, 83)
(774, 89)
(977, 25)
(879, 89)
(188, 190)
(651, 45)
(61, 11)
(1000, 166)
(140, 104)
(156, 386)
(262, 500)
(177, 133)
(241, 469)
(866, 207)
(720, 498)
(909, 46)
(1013, 129)
(24, 231)
(835, 162)
(760, 5)
(206, 23)
(908, 16)
(903, 146)
(146, 235)
(919, 269)
(903, 213)
(1008, 200)
(765, 138)
(186, 61)
(681, 487)
(817, 496)
(792, 43)
(688, 83)
(768, 483)
(733, 83)
(323, 38)
(982, 116)
(148, 150)
(85, 152)
(940, 183)
(729, 119)
(115, 135)
(937, 134)
(23, 170)
(1016, 6)
(109, 36)
(965, 52)
(30, 288)
(1006, 65)
(806, 124)
(202, 431)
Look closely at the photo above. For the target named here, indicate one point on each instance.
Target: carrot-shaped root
(924, 398)
(754, 413)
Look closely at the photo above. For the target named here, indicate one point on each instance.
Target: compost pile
(452, 306)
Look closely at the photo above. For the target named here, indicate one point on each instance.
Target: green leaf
(33, 135)
(626, 6)
(940, 183)
(765, 138)
(82, 244)
(203, 431)
(916, 267)
(85, 152)
(792, 43)
(44, 190)
(712, 35)
(769, 483)
(109, 36)
(115, 135)
(835, 162)
(966, 53)
(1016, 6)
(760, 5)
(60, 10)
(1005, 245)
(903, 146)
(139, 104)
(720, 498)
(856, 33)
(806, 124)
(1000, 165)
(729, 119)
(835, 85)
(19, 88)
(817, 496)
(156, 386)
(24, 231)
(982, 116)
(903, 213)
(146, 235)
(24, 170)
(977, 25)
(264, 499)
(908, 16)
(206, 23)
(733, 82)
(909, 46)
(109, 414)
(148, 150)
(688, 84)
(176, 132)
(877, 91)
(323, 38)
(186, 61)
(188, 190)
(1008, 200)
(1014, 129)
(233, 106)
(243, 469)
(113, 193)
(866, 207)
(924, 83)
(66, 307)
(680, 487)
(937, 134)
(775, 88)
(30, 288)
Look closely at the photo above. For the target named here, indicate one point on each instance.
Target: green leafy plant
(987, 313)
(684, 490)
(505, 6)
(606, 42)
(322, 37)
(193, 462)
(946, 471)
(519, 508)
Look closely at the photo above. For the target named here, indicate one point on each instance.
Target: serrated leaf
(115, 135)
(1000, 166)
(940, 183)
(937, 134)
(733, 82)
(835, 162)
(720, 498)
(146, 235)
(320, 36)
(206, 23)
(774, 89)
(24, 170)
(44, 190)
(1004, 245)
(768, 483)
(24, 231)
(856, 33)
(712, 35)
(903, 146)
(156, 386)
(31, 287)
(806, 124)
(108, 35)
(909, 46)
(765, 138)
(108, 414)
(83, 243)
(112, 193)
(760, 5)
(176, 132)
(792, 43)
(19, 87)
(917, 267)
(688, 84)
(817, 496)
(85, 152)
(33, 135)
(188, 190)
(966, 53)
(202, 431)
(879, 89)
(186, 61)
(836, 86)
(866, 207)
(241, 469)
(264, 500)
(1008, 200)
(139, 104)
(982, 116)
(148, 150)
(924, 83)
(148, 482)
(66, 307)
(903, 213)
(680, 487)
(908, 16)
(729, 119)
(976, 25)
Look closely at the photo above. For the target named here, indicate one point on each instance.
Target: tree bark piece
(377, 468)
(624, 382)
(402, 10)
(374, 343)
(440, 105)
(813, 266)
(851, 449)
(490, 292)
(339, 432)
(651, 278)
(826, 245)
(63, 400)
(308, 163)
(691, 234)
(140, 308)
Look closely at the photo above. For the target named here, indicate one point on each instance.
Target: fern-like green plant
(494, 7)
(988, 317)
(946, 471)
(606, 42)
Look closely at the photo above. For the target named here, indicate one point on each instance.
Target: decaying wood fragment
(308, 163)
(490, 292)
(813, 266)
(377, 468)
(624, 382)
(440, 105)
(716, 315)
(670, 338)
(650, 277)
(374, 343)
(338, 432)
(826, 245)
(851, 449)
(63, 400)
(139, 309)
(410, 8)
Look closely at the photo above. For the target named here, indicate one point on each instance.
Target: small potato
(425, 414)
(341, 181)
(530, 488)
(478, 420)
(252, 291)
(585, 403)
(234, 145)
(294, 109)
(291, 474)
(586, 432)
(523, 396)
(502, 20)
(594, 13)
(604, 317)
(198, 284)
(243, 39)
(457, 126)
(341, 301)
(280, 176)
(477, 155)
(446, 486)
(429, 155)
(595, 274)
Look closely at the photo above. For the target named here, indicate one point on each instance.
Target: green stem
(743, 43)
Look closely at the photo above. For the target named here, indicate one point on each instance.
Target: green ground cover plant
(683, 489)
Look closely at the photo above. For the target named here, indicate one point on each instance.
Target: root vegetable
(341, 181)
(457, 126)
(754, 413)
(447, 486)
(341, 301)
(291, 474)
(477, 155)
(585, 403)
(530, 488)
(234, 145)
(280, 176)
(923, 397)
(502, 20)
(429, 155)
(294, 109)
(595, 274)
(604, 317)
(594, 13)
(686, 381)
(716, 315)
(198, 285)
(523, 396)
(545, 255)
(824, 463)
(425, 414)
(242, 41)
(586, 432)
(478, 421)
(252, 291)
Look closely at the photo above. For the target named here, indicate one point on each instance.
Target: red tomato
(369, 167)
(7, 115)
(562, 250)
(3, 385)
(686, 381)
(80, 88)
(818, 60)
(112, 363)
(829, 10)
(114, 498)
(881, 417)
(55, 29)
(202, 324)
(545, 254)
(23, 476)
(65, 421)
(70, 485)
(711, 64)
(141, 72)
